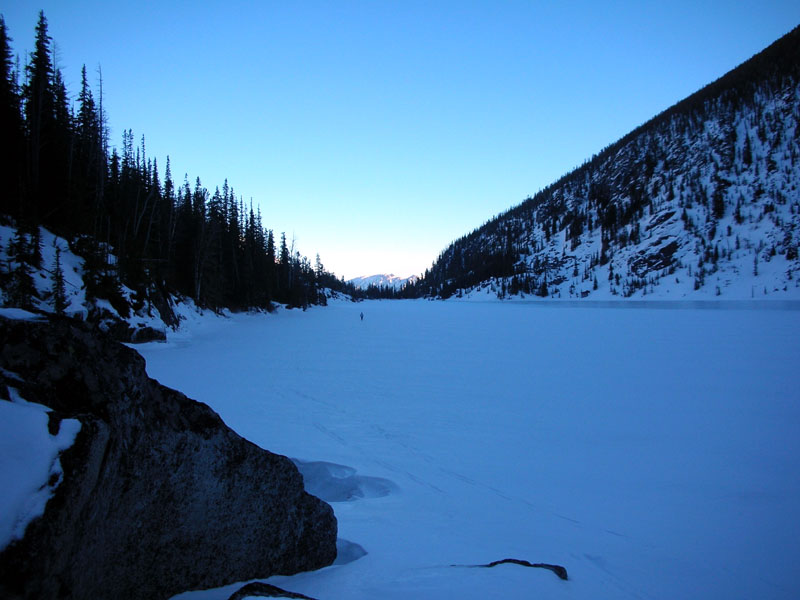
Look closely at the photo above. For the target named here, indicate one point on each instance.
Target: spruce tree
(21, 289)
(718, 203)
(747, 152)
(284, 269)
(58, 292)
(90, 160)
(272, 282)
(12, 148)
(39, 115)
(542, 291)
(34, 251)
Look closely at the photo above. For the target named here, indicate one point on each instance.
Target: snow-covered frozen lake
(654, 453)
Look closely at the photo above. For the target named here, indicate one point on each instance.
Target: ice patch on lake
(347, 552)
(333, 482)
(339, 483)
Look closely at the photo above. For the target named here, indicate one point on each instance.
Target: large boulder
(158, 495)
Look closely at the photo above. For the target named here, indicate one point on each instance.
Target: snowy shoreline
(732, 304)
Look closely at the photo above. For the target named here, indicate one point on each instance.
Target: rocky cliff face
(158, 495)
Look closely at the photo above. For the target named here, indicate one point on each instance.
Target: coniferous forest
(132, 223)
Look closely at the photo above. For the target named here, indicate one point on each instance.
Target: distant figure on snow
(362, 316)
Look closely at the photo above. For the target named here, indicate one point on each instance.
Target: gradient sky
(375, 133)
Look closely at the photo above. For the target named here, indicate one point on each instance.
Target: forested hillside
(702, 200)
(132, 225)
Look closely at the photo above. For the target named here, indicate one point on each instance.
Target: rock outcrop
(258, 589)
(158, 495)
(129, 331)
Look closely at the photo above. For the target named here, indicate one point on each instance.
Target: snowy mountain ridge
(382, 280)
(700, 202)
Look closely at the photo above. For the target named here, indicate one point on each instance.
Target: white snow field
(654, 453)
(30, 468)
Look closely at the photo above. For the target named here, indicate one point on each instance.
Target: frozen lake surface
(653, 453)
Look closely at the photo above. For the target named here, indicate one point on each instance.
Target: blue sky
(375, 133)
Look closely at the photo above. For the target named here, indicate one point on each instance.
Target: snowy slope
(700, 202)
(652, 452)
(381, 280)
(71, 265)
(78, 305)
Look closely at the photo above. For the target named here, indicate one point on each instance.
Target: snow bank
(29, 465)
(19, 314)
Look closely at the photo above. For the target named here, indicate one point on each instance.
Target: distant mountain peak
(381, 280)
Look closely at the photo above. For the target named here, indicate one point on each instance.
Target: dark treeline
(180, 238)
(388, 292)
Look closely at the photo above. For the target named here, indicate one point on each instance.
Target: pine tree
(284, 268)
(12, 148)
(747, 152)
(319, 274)
(272, 272)
(21, 289)
(34, 251)
(90, 159)
(542, 291)
(58, 292)
(39, 115)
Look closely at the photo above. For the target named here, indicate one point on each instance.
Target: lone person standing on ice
(362, 316)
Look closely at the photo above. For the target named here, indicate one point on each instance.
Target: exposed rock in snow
(158, 496)
(265, 590)
(560, 571)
